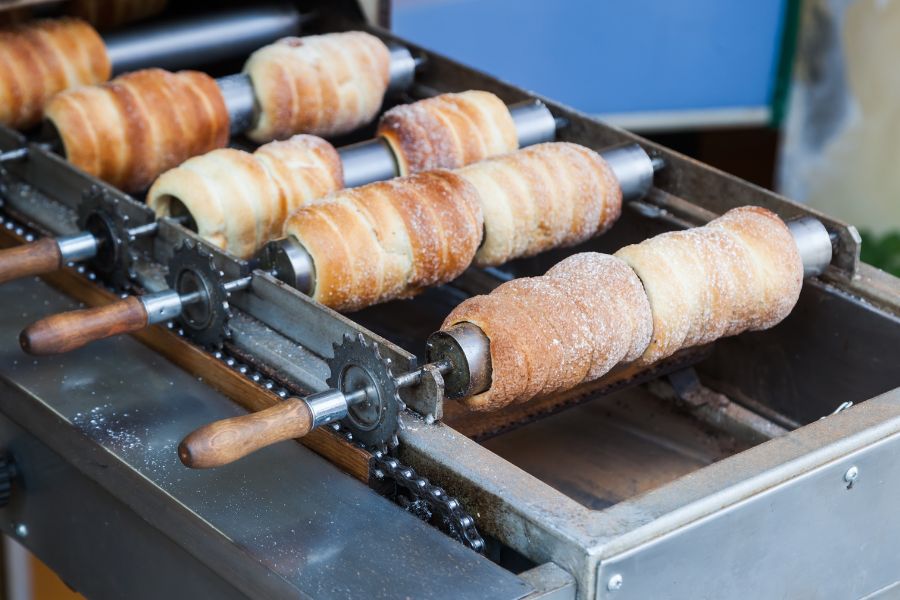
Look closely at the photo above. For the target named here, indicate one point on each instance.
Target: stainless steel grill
(721, 472)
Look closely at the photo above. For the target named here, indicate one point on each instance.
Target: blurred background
(800, 97)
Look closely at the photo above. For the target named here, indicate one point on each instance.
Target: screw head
(21, 530)
(615, 583)
(852, 474)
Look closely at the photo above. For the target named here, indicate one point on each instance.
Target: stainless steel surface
(367, 161)
(203, 39)
(633, 168)
(551, 582)
(326, 407)
(534, 122)
(402, 69)
(114, 564)
(468, 351)
(814, 244)
(281, 523)
(776, 557)
(15, 154)
(162, 306)
(75, 248)
(240, 101)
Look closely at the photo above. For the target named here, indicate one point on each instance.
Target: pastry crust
(389, 239)
(546, 196)
(448, 131)
(137, 126)
(107, 14)
(320, 84)
(239, 200)
(41, 58)
(552, 333)
(591, 312)
(740, 272)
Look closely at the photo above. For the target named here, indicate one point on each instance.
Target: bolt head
(852, 474)
(615, 583)
(22, 530)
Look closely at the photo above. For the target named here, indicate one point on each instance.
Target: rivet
(851, 476)
(615, 583)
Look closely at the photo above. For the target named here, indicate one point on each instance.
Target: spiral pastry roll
(592, 312)
(448, 131)
(554, 332)
(740, 272)
(39, 59)
(135, 127)
(321, 84)
(389, 239)
(545, 196)
(239, 201)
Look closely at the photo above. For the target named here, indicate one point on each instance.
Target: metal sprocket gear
(100, 214)
(358, 364)
(193, 269)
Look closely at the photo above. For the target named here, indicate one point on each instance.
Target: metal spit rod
(203, 39)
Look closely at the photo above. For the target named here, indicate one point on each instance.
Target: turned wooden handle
(70, 330)
(226, 441)
(36, 258)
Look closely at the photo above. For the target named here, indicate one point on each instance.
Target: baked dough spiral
(591, 312)
(135, 127)
(740, 272)
(389, 239)
(448, 131)
(239, 201)
(546, 196)
(39, 59)
(319, 84)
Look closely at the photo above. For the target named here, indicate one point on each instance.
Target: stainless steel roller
(204, 39)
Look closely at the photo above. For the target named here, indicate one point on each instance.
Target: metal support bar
(203, 39)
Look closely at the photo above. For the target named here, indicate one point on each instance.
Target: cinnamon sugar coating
(448, 131)
(740, 272)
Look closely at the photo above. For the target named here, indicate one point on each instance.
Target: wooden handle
(70, 330)
(36, 258)
(226, 441)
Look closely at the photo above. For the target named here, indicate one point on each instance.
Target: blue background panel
(612, 56)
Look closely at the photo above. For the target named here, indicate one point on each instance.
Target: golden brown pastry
(547, 196)
(591, 312)
(740, 272)
(133, 128)
(551, 333)
(107, 14)
(320, 84)
(239, 201)
(304, 168)
(448, 131)
(41, 58)
(389, 239)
